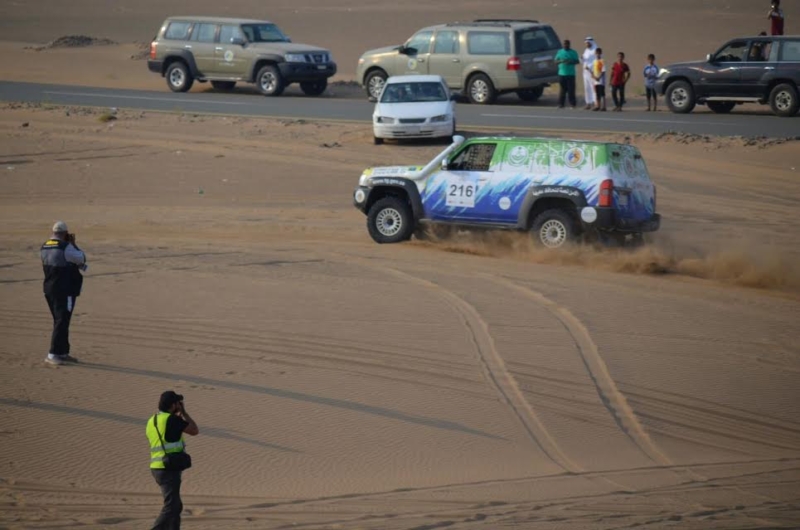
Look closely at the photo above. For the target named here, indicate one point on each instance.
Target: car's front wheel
(553, 228)
(270, 81)
(721, 107)
(784, 100)
(314, 88)
(480, 90)
(680, 97)
(223, 85)
(179, 78)
(390, 220)
(373, 84)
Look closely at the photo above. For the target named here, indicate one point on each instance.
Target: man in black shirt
(165, 433)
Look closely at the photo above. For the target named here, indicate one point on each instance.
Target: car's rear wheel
(530, 94)
(179, 78)
(553, 228)
(223, 85)
(314, 88)
(390, 221)
(721, 107)
(680, 97)
(373, 84)
(784, 100)
(480, 90)
(270, 81)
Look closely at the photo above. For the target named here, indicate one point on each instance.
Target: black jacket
(61, 278)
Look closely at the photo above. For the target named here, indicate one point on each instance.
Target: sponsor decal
(574, 157)
(412, 64)
(391, 171)
(228, 56)
(504, 203)
(559, 190)
(388, 181)
(518, 155)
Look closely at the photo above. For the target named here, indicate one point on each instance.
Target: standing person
(62, 262)
(620, 74)
(775, 17)
(599, 75)
(650, 76)
(566, 59)
(165, 433)
(588, 79)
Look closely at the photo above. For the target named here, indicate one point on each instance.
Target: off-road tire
(269, 81)
(178, 76)
(314, 88)
(373, 83)
(531, 94)
(784, 101)
(390, 220)
(480, 90)
(721, 107)
(225, 86)
(680, 97)
(553, 228)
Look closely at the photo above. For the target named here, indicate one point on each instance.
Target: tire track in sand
(610, 395)
(495, 371)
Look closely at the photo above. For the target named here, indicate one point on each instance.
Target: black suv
(747, 70)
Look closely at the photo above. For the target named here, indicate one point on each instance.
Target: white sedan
(414, 106)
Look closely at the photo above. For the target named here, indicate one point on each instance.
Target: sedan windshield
(413, 93)
(263, 33)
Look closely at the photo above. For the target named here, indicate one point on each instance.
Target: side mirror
(444, 165)
(288, 39)
(402, 50)
(454, 97)
(237, 41)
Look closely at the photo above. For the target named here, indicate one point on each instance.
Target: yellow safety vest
(156, 450)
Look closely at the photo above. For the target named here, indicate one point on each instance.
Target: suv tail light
(513, 64)
(153, 50)
(606, 199)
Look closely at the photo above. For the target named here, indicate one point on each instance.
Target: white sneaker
(55, 360)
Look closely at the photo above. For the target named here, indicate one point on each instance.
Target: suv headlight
(384, 119)
(663, 72)
(440, 118)
(294, 57)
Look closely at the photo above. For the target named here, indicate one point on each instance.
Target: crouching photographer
(168, 456)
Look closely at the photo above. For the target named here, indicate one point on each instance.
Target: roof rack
(506, 20)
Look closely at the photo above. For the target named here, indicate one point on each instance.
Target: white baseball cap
(59, 227)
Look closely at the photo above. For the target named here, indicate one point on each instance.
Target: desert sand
(472, 382)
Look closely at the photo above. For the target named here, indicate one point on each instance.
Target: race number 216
(461, 194)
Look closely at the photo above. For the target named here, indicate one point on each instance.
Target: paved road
(511, 115)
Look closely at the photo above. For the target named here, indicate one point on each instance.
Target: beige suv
(225, 51)
(481, 59)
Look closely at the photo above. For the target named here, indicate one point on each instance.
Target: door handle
(188, 46)
(769, 68)
(456, 60)
(219, 49)
(420, 60)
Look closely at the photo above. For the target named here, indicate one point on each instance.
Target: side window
(488, 43)
(733, 52)
(536, 40)
(446, 42)
(204, 33)
(421, 42)
(475, 157)
(177, 31)
(759, 51)
(791, 51)
(228, 32)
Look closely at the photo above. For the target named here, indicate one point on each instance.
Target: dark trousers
(61, 307)
(170, 483)
(618, 94)
(567, 83)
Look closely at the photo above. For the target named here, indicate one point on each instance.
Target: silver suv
(228, 50)
(481, 59)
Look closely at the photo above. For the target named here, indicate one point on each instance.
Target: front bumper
(300, 72)
(155, 66)
(413, 130)
(607, 220)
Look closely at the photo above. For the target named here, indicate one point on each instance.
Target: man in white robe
(587, 60)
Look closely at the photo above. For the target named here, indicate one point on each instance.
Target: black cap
(168, 399)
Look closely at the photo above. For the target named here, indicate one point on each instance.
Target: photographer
(775, 17)
(62, 262)
(168, 457)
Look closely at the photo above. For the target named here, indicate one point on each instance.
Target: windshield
(413, 92)
(263, 33)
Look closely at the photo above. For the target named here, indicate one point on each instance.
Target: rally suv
(481, 59)
(764, 70)
(226, 51)
(557, 189)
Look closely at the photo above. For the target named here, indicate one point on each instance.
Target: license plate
(321, 67)
(543, 65)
